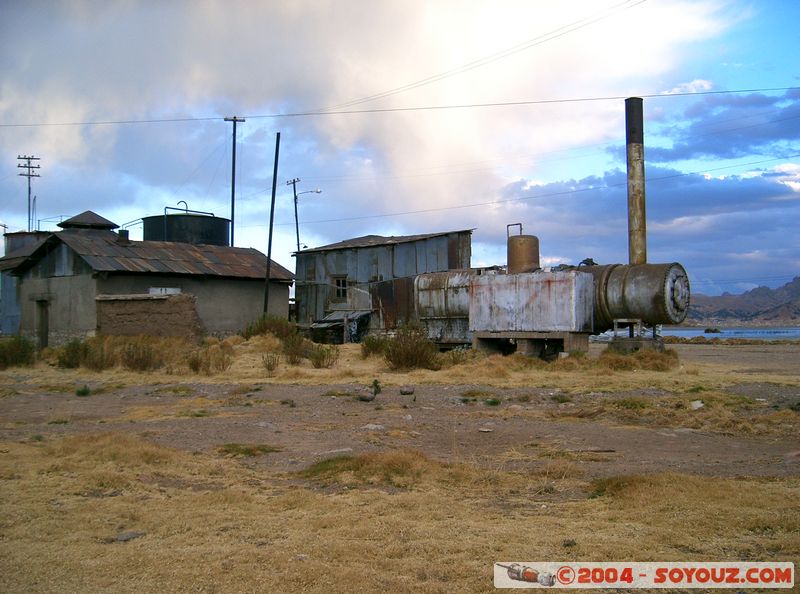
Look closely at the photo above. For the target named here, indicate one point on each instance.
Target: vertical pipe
(634, 144)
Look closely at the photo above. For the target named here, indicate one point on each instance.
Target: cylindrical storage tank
(523, 253)
(653, 293)
(187, 228)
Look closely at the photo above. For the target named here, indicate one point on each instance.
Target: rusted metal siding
(441, 302)
(535, 302)
(379, 275)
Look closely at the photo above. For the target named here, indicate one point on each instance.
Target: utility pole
(271, 220)
(31, 173)
(235, 120)
(293, 183)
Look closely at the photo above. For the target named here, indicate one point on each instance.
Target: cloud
(393, 172)
(695, 86)
(733, 126)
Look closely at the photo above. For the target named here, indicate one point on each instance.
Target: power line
(534, 197)
(299, 114)
(538, 40)
(451, 168)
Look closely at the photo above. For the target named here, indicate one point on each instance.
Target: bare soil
(448, 422)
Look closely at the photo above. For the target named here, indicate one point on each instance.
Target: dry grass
(393, 522)
(721, 413)
(246, 364)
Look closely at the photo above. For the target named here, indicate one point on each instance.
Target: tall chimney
(634, 144)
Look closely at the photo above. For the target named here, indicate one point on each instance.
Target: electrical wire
(300, 114)
(569, 192)
(538, 40)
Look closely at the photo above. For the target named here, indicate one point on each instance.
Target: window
(340, 288)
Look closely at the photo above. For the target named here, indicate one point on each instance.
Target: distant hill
(761, 306)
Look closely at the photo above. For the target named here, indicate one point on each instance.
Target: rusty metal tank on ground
(535, 302)
(523, 251)
(196, 229)
(653, 293)
(441, 303)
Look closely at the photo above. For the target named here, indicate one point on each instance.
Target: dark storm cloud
(731, 126)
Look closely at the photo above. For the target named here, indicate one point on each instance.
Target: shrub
(72, 354)
(99, 354)
(275, 325)
(17, 351)
(411, 349)
(322, 356)
(295, 348)
(209, 360)
(83, 391)
(271, 362)
(456, 356)
(373, 345)
(140, 355)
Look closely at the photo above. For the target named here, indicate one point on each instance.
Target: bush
(72, 354)
(295, 348)
(140, 355)
(17, 351)
(99, 354)
(411, 349)
(322, 356)
(271, 362)
(373, 345)
(456, 356)
(279, 327)
(209, 360)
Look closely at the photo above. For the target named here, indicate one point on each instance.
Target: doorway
(43, 323)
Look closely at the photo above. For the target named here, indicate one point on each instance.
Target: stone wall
(156, 315)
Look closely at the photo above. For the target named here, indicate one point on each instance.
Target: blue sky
(420, 117)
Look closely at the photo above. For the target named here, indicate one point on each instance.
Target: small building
(366, 284)
(88, 279)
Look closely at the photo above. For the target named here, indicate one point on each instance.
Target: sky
(417, 116)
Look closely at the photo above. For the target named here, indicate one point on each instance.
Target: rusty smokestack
(634, 144)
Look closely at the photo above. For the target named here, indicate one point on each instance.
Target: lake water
(777, 333)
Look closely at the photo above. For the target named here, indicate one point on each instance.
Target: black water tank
(187, 228)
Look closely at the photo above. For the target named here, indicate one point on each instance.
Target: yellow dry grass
(592, 373)
(391, 522)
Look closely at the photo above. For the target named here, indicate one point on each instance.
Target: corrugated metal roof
(104, 252)
(88, 220)
(379, 240)
(17, 257)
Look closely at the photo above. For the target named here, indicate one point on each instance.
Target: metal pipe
(634, 144)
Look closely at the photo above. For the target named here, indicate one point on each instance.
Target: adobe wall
(225, 306)
(155, 315)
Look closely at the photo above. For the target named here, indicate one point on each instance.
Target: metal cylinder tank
(653, 293)
(187, 228)
(523, 253)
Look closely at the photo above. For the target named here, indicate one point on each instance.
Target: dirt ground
(243, 481)
(518, 428)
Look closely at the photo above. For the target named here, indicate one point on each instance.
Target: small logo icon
(566, 575)
(523, 573)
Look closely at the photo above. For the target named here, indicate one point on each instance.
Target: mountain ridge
(761, 306)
